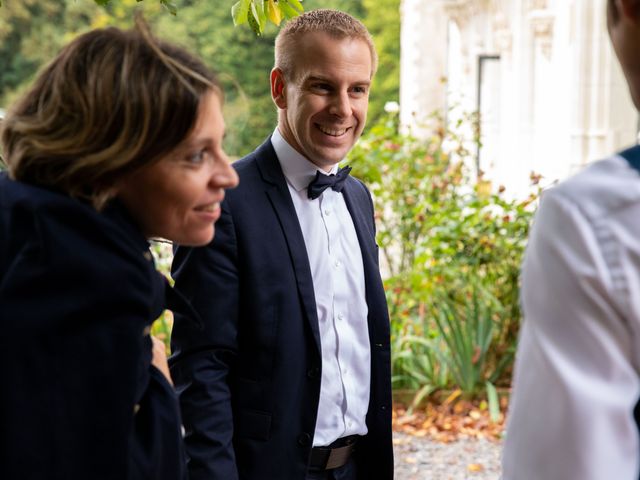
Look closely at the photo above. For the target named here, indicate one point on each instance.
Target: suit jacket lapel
(363, 223)
(278, 193)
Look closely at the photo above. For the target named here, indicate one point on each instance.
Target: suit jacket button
(304, 439)
(313, 372)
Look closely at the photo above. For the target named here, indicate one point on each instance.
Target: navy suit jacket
(79, 399)
(249, 383)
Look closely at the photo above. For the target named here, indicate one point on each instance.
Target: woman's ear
(278, 88)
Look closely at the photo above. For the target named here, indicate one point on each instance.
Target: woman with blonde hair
(118, 140)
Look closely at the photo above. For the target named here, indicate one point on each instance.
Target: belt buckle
(338, 457)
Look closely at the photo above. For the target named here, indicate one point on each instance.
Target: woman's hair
(111, 102)
(334, 23)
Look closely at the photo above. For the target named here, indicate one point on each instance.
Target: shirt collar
(297, 169)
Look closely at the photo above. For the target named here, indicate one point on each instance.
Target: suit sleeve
(575, 385)
(202, 359)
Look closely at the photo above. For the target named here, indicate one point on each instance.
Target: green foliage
(382, 18)
(452, 250)
(257, 12)
(167, 4)
(163, 255)
(20, 53)
(467, 331)
(32, 32)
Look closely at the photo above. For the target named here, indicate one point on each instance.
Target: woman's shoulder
(61, 232)
(93, 260)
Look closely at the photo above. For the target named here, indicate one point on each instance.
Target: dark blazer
(249, 384)
(77, 290)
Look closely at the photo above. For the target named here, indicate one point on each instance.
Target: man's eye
(322, 86)
(359, 90)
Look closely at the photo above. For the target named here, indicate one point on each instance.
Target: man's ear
(278, 87)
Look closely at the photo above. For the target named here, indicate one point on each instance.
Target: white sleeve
(575, 386)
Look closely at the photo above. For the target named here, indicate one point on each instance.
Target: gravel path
(420, 458)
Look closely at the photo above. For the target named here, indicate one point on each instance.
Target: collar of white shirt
(297, 169)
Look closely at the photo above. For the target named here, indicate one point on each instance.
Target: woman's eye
(198, 157)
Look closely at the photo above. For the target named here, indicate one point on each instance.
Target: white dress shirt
(576, 375)
(338, 282)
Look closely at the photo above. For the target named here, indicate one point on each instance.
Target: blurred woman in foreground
(118, 140)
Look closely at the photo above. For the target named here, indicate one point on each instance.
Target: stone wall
(542, 73)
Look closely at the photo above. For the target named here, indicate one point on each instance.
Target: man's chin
(329, 157)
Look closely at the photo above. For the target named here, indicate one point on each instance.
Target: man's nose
(341, 105)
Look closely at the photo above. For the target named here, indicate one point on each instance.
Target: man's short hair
(335, 23)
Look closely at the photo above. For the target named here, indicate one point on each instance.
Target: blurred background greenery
(32, 31)
(451, 248)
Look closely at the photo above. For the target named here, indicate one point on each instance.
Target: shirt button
(336, 263)
(344, 371)
(327, 212)
(340, 316)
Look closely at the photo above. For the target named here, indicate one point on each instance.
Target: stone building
(541, 74)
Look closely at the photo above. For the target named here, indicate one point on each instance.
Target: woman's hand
(159, 359)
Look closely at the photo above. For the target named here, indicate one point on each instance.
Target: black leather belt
(333, 456)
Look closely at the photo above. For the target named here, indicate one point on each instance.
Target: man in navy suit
(290, 379)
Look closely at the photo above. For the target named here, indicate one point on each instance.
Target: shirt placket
(338, 313)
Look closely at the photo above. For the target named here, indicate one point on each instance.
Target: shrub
(450, 253)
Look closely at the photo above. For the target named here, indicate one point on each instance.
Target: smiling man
(290, 380)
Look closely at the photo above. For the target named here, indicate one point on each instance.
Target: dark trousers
(346, 472)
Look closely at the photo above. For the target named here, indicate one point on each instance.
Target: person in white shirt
(577, 372)
(291, 377)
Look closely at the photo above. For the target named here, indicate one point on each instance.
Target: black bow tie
(322, 182)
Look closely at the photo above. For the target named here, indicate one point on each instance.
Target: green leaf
(240, 11)
(287, 10)
(494, 403)
(262, 14)
(252, 17)
(257, 18)
(295, 4)
(102, 3)
(419, 396)
(170, 6)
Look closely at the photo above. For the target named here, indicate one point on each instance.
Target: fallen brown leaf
(475, 467)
